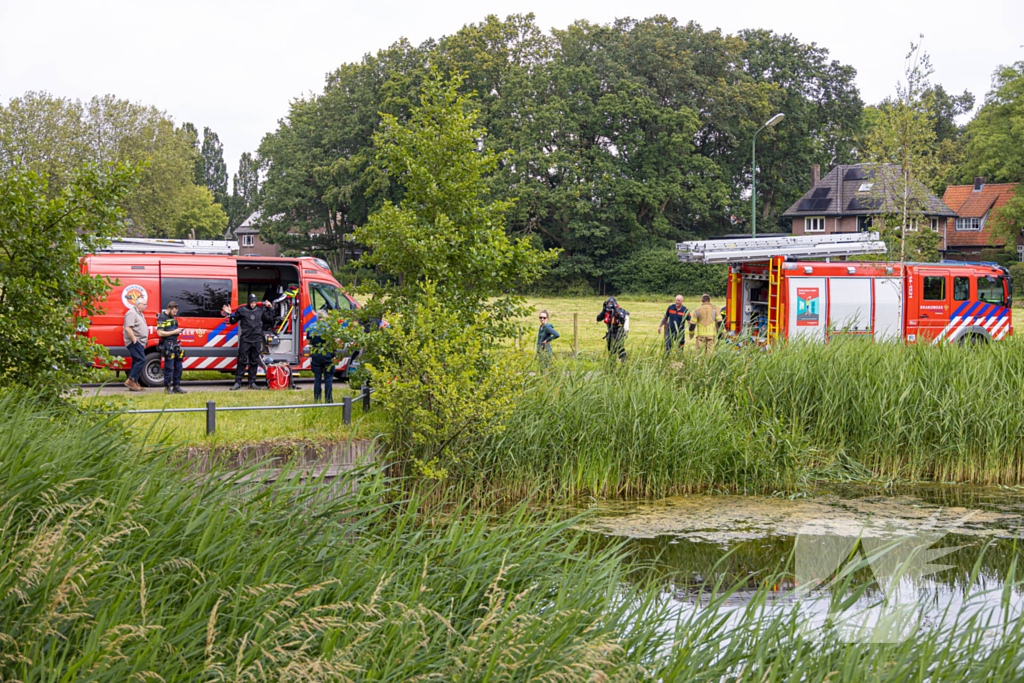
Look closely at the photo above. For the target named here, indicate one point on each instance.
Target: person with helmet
(250, 320)
(705, 320)
(170, 349)
(617, 320)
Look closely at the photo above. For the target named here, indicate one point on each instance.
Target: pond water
(926, 555)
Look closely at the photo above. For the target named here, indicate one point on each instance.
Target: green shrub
(442, 385)
(1017, 273)
(656, 270)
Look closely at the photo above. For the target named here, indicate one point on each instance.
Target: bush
(441, 385)
(656, 270)
(1017, 273)
(46, 299)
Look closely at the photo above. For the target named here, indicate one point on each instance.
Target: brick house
(970, 231)
(847, 200)
(249, 242)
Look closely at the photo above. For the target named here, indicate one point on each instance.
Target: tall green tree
(45, 298)
(902, 142)
(322, 177)
(245, 189)
(198, 168)
(56, 136)
(822, 106)
(445, 231)
(995, 148)
(215, 171)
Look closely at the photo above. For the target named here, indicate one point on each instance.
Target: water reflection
(693, 546)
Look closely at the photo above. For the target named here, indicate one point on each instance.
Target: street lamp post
(753, 171)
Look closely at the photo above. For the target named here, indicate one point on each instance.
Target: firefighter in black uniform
(250, 319)
(615, 318)
(170, 349)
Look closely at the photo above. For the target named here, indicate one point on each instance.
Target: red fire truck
(202, 276)
(791, 288)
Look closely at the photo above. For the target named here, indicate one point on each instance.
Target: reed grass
(115, 567)
(754, 421)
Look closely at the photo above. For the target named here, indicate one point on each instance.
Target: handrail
(211, 409)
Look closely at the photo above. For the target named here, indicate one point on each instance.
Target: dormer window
(967, 224)
(865, 187)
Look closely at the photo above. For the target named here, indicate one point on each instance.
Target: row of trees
(622, 138)
(181, 187)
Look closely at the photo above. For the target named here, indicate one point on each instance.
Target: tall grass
(756, 420)
(115, 567)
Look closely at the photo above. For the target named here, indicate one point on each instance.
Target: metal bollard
(211, 418)
(366, 398)
(346, 410)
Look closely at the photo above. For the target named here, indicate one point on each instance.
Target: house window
(935, 225)
(247, 240)
(911, 225)
(967, 224)
(1020, 253)
(864, 223)
(816, 224)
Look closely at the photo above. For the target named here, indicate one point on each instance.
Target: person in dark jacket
(617, 320)
(674, 323)
(322, 363)
(250, 319)
(545, 335)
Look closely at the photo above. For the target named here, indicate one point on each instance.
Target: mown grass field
(645, 313)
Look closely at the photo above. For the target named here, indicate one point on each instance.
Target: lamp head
(774, 120)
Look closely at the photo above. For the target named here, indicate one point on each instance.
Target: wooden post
(211, 418)
(346, 410)
(575, 336)
(520, 338)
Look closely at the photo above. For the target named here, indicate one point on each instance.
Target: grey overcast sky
(235, 66)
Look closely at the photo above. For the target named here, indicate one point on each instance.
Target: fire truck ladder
(139, 245)
(775, 297)
(800, 247)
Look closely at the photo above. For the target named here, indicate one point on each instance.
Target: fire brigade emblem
(132, 294)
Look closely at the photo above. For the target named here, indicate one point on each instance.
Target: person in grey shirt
(136, 334)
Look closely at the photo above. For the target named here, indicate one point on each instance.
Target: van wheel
(152, 372)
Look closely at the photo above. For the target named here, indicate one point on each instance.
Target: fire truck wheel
(152, 371)
(972, 340)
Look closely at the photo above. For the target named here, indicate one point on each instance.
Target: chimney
(978, 183)
(815, 175)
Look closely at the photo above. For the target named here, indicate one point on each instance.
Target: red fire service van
(792, 288)
(202, 276)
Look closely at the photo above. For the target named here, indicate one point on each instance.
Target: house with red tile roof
(971, 231)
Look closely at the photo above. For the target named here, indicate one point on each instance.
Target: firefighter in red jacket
(251, 319)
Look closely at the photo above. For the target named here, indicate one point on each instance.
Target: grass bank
(114, 567)
(762, 421)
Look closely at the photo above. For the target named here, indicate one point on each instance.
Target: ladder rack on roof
(763, 249)
(138, 245)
